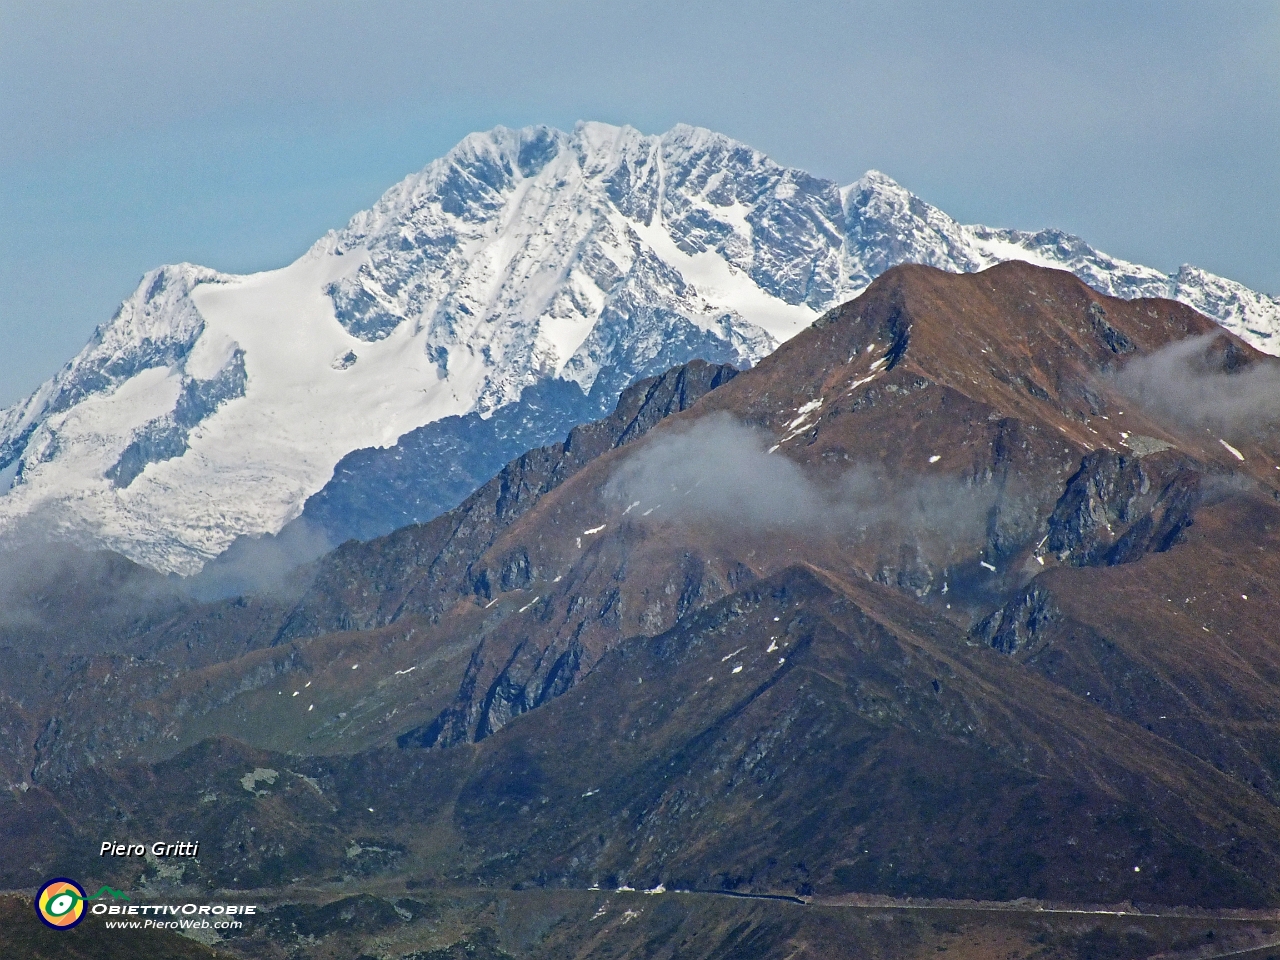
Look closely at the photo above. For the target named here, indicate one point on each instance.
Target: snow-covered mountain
(212, 406)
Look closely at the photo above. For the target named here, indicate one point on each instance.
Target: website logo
(60, 902)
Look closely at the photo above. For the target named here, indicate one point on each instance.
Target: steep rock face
(1116, 508)
(522, 266)
(436, 467)
(1177, 641)
(157, 327)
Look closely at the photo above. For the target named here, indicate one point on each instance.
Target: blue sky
(234, 134)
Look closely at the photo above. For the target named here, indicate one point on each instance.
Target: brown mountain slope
(857, 753)
(988, 605)
(924, 367)
(804, 734)
(1182, 642)
(1004, 380)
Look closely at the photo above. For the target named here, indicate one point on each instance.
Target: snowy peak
(547, 230)
(155, 327)
(1246, 312)
(885, 225)
(879, 197)
(212, 406)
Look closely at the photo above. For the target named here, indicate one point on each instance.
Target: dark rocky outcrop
(1116, 507)
(1018, 624)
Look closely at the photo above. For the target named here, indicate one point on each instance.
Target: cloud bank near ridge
(720, 470)
(1200, 382)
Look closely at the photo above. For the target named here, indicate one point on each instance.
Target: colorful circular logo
(60, 903)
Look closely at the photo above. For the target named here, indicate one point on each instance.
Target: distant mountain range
(483, 307)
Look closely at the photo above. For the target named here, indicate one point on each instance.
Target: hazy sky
(233, 134)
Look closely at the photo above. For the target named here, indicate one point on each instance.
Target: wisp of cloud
(718, 469)
(270, 564)
(1194, 382)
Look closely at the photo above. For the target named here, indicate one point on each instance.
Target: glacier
(505, 292)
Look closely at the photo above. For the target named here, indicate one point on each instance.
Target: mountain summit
(522, 268)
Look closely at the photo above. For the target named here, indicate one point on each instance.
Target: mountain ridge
(930, 602)
(213, 407)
